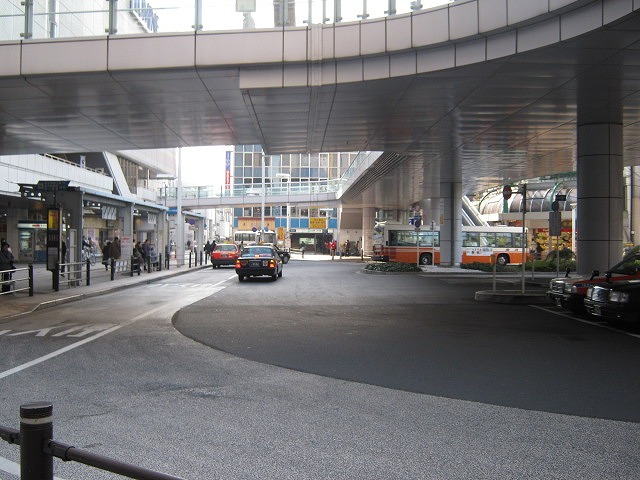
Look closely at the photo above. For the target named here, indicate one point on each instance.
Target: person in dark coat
(116, 249)
(106, 255)
(6, 263)
(63, 256)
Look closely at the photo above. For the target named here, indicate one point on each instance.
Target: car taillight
(272, 264)
(238, 264)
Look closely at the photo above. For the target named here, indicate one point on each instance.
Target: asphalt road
(423, 334)
(386, 377)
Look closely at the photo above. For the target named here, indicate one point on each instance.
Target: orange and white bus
(397, 243)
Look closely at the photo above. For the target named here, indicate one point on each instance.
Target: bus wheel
(503, 259)
(426, 259)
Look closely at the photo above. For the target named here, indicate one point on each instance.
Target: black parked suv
(617, 302)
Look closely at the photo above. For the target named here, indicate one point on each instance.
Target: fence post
(88, 272)
(31, 279)
(190, 254)
(159, 262)
(113, 269)
(36, 431)
(132, 266)
(56, 278)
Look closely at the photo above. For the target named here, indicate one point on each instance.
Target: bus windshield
(248, 236)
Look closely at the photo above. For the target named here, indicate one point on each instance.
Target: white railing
(145, 16)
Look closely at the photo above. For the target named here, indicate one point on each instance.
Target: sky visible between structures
(204, 166)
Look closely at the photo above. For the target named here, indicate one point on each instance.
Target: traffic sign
(555, 224)
(506, 192)
(52, 185)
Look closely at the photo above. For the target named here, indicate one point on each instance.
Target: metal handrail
(37, 449)
(15, 281)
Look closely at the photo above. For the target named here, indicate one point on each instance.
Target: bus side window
(393, 238)
(470, 239)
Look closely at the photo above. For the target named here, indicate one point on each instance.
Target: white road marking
(13, 468)
(54, 354)
(577, 319)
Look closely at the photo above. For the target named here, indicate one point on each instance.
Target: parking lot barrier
(37, 449)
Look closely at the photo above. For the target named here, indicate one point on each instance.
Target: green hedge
(392, 267)
(540, 266)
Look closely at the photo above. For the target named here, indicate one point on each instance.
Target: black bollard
(36, 431)
(56, 278)
(31, 279)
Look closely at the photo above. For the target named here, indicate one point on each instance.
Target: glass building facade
(313, 223)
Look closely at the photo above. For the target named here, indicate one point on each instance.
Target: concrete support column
(180, 240)
(451, 228)
(368, 222)
(600, 196)
(430, 212)
(127, 222)
(634, 204)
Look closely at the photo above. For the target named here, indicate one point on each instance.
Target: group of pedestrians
(111, 250)
(209, 247)
(142, 252)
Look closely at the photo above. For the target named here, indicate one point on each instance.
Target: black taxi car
(258, 260)
(616, 302)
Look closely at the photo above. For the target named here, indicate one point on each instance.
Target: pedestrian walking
(146, 254)
(116, 249)
(138, 255)
(106, 255)
(6, 263)
(303, 247)
(207, 251)
(63, 257)
(332, 247)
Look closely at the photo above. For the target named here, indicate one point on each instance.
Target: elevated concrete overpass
(462, 97)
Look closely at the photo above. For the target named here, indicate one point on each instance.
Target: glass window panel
(504, 240)
(470, 239)
(487, 239)
(518, 240)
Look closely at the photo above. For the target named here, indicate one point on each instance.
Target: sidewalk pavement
(19, 303)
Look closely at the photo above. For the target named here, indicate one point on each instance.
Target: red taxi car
(224, 254)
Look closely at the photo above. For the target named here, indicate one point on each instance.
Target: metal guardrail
(17, 283)
(38, 448)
